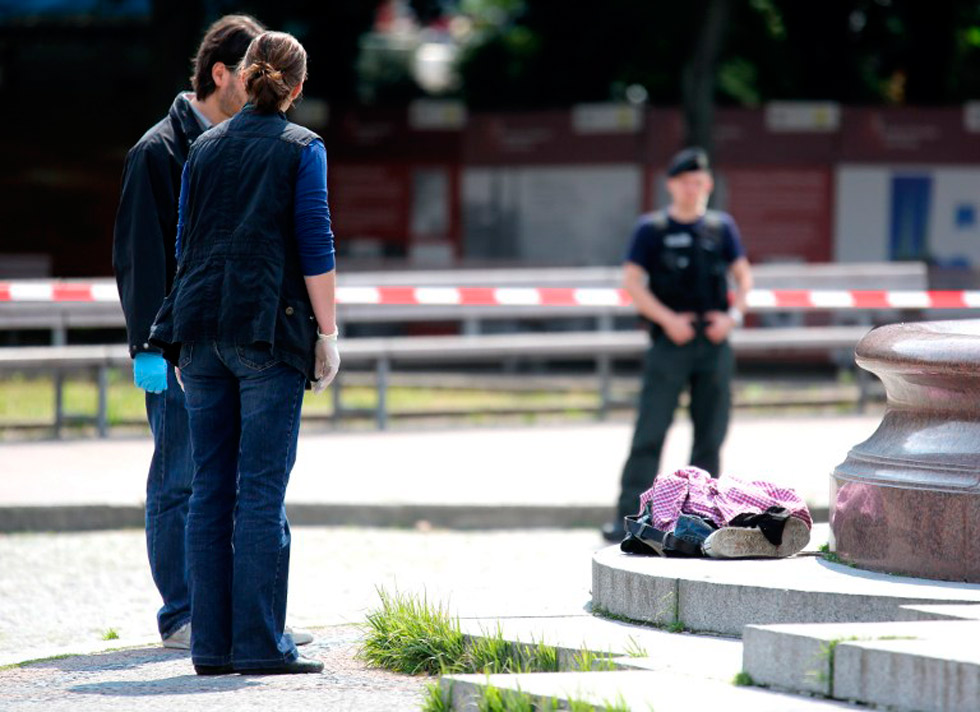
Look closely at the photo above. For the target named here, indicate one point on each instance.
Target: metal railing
(602, 345)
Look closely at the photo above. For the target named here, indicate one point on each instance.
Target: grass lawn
(31, 399)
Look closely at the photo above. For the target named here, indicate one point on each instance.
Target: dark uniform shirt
(687, 263)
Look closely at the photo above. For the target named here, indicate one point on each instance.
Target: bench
(382, 353)
(603, 345)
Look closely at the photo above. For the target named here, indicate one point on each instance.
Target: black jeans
(704, 367)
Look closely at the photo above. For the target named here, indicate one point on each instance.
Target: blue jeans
(168, 487)
(244, 407)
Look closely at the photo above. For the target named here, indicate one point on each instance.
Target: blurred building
(432, 183)
(808, 182)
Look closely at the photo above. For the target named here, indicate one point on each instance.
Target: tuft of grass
(635, 650)
(110, 634)
(617, 705)
(587, 661)
(603, 612)
(490, 653)
(743, 679)
(493, 699)
(834, 558)
(542, 658)
(576, 705)
(676, 626)
(408, 635)
(825, 675)
(825, 548)
(437, 699)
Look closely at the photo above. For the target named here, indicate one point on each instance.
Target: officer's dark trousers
(705, 368)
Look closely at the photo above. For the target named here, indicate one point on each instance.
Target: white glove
(327, 361)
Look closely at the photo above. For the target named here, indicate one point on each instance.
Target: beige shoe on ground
(749, 542)
(180, 639)
(301, 636)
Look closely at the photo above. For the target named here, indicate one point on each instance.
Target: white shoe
(180, 639)
(747, 542)
(301, 636)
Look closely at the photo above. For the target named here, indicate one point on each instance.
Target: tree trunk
(700, 72)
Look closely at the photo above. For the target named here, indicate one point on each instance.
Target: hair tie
(270, 71)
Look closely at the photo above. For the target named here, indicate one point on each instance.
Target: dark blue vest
(239, 280)
(692, 277)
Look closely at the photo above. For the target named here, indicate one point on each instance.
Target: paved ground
(151, 678)
(64, 589)
(63, 592)
(559, 465)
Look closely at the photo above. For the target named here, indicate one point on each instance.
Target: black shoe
(298, 666)
(613, 531)
(214, 669)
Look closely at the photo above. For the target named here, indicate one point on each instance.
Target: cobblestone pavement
(152, 678)
(66, 592)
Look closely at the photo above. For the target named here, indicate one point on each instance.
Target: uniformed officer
(676, 272)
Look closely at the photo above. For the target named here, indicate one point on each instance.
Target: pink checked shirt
(691, 490)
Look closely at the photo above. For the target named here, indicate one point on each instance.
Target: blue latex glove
(150, 372)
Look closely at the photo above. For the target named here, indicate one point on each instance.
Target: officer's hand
(680, 328)
(718, 325)
(327, 361)
(150, 372)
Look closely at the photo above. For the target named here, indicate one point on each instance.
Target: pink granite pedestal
(907, 500)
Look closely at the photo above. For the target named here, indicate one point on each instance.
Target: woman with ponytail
(250, 322)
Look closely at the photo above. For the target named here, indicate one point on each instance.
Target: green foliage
(743, 679)
(635, 650)
(738, 78)
(542, 658)
(30, 400)
(436, 699)
(834, 558)
(617, 705)
(602, 612)
(408, 635)
(676, 627)
(490, 653)
(537, 54)
(493, 699)
(576, 705)
(588, 661)
(110, 634)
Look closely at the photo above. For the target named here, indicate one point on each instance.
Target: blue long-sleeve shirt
(311, 212)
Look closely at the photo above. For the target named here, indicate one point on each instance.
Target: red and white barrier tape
(762, 299)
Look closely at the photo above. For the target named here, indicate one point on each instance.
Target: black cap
(690, 159)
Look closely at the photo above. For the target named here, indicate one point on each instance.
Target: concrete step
(655, 669)
(633, 690)
(922, 666)
(718, 596)
(942, 612)
(626, 645)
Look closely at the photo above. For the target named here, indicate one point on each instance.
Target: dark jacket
(146, 223)
(239, 279)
